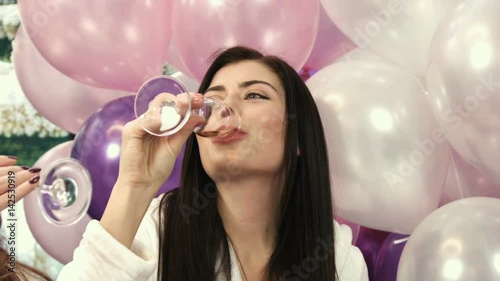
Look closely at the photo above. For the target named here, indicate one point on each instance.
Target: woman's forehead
(246, 71)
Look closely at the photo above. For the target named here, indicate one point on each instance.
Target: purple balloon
(97, 146)
(370, 242)
(386, 267)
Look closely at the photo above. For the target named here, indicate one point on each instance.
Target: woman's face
(256, 94)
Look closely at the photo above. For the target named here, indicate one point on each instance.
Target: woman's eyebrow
(253, 82)
(220, 88)
(216, 89)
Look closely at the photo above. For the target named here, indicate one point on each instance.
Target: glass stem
(62, 191)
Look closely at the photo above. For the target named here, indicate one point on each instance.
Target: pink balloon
(465, 181)
(62, 100)
(58, 241)
(330, 44)
(115, 44)
(286, 28)
(174, 60)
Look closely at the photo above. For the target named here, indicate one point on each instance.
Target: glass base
(65, 192)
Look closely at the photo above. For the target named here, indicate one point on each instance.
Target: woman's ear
(298, 151)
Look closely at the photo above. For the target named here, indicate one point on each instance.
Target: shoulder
(348, 258)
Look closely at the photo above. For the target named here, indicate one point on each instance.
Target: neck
(249, 210)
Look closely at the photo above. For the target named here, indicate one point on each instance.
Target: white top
(101, 257)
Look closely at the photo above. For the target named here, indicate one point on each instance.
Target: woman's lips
(237, 135)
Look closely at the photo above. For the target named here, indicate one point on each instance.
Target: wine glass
(65, 192)
(164, 106)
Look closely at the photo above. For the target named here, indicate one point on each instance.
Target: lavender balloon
(386, 267)
(370, 242)
(97, 147)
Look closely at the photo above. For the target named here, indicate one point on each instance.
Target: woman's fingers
(5, 170)
(166, 112)
(6, 160)
(182, 101)
(178, 139)
(11, 197)
(14, 179)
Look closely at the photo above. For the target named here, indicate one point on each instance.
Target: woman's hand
(146, 161)
(15, 181)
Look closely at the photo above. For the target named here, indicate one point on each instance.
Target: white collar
(235, 268)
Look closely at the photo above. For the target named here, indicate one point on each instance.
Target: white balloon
(400, 30)
(459, 242)
(463, 80)
(387, 159)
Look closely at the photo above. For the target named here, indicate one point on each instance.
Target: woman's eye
(253, 95)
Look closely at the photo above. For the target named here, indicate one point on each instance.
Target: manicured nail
(11, 157)
(34, 179)
(35, 170)
(25, 167)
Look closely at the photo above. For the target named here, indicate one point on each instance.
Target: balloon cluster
(408, 91)
(413, 129)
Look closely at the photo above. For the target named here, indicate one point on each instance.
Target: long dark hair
(192, 235)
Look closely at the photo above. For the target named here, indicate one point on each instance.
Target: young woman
(253, 206)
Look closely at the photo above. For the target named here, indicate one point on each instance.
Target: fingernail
(34, 179)
(11, 157)
(35, 170)
(25, 167)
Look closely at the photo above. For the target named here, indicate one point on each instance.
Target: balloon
(330, 44)
(463, 180)
(174, 60)
(386, 267)
(463, 83)
(97, 147)
(398, 30)
(368, 55)
(286, 28)
(387, 164)
(369, 243)
(365, 55)
(190, 84)
(61, 100)
(59, 241)
(459, 242)
(115, 44)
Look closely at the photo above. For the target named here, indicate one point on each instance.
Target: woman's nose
(225, 112)
(232, 105)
